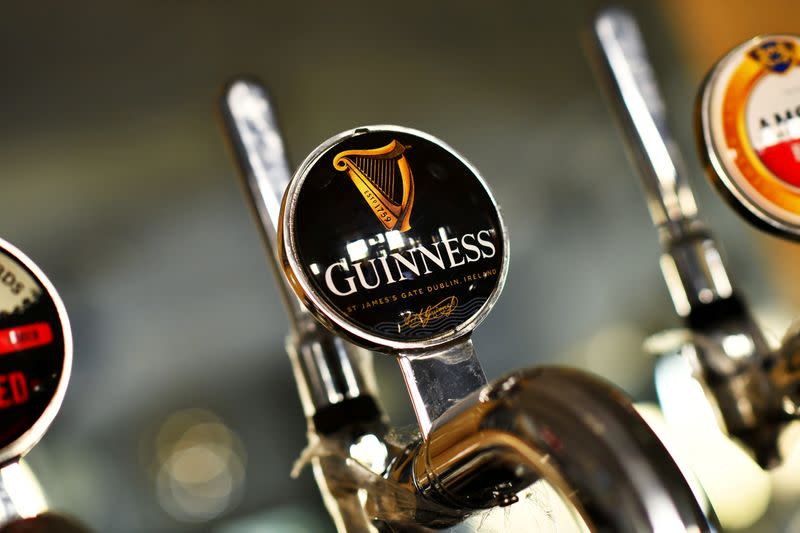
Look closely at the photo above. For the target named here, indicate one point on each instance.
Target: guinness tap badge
(419, 278)
(750, 131)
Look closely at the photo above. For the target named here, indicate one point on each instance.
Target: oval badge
(35, 353)
(750, 131)
(392, 239)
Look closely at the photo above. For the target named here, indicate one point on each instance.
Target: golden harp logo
(384, 179)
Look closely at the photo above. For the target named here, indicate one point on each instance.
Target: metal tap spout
(579, 433)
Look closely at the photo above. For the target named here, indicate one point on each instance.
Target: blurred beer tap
(35, 365)
(753, 387)
(480, 444)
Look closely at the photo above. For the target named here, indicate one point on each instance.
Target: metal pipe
(651, 144)
(257, 146)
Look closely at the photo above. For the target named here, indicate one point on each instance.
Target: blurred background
(182, 414)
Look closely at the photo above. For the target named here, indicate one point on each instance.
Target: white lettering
(400, 260)
(471, 248)
(468, 248)
(437, 259)
(486, 244)
(451, 253)
(363, 280)
(329, 281)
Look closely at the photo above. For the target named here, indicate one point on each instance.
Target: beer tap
(387, 241)
(751, 385)
(35, 364)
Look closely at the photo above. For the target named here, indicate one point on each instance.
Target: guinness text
(343, 278)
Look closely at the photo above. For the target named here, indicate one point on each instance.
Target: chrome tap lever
(642, 113)
(692, 265)
(334, 378)
(258, 148)
(328, 370)
(729, 349)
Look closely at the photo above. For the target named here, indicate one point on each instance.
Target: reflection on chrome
(357, 250)
(395, 240)
(21, 496)
(737, 345)
(371, 452)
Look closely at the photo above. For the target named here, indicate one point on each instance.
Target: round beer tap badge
(750, 120)
(392, 239)
(35, 353)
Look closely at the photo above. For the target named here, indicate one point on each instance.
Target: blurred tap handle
(255, 140)
(730, 350)
(633, 90)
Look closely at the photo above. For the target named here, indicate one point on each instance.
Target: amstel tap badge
(750, 131)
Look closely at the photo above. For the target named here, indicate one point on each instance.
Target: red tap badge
(35, 353)
(750, 130)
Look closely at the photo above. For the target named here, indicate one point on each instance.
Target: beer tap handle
(640, 109)
(258, 149)
(692, 265)
(328, 370)
(728, 347)
(406, 256)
